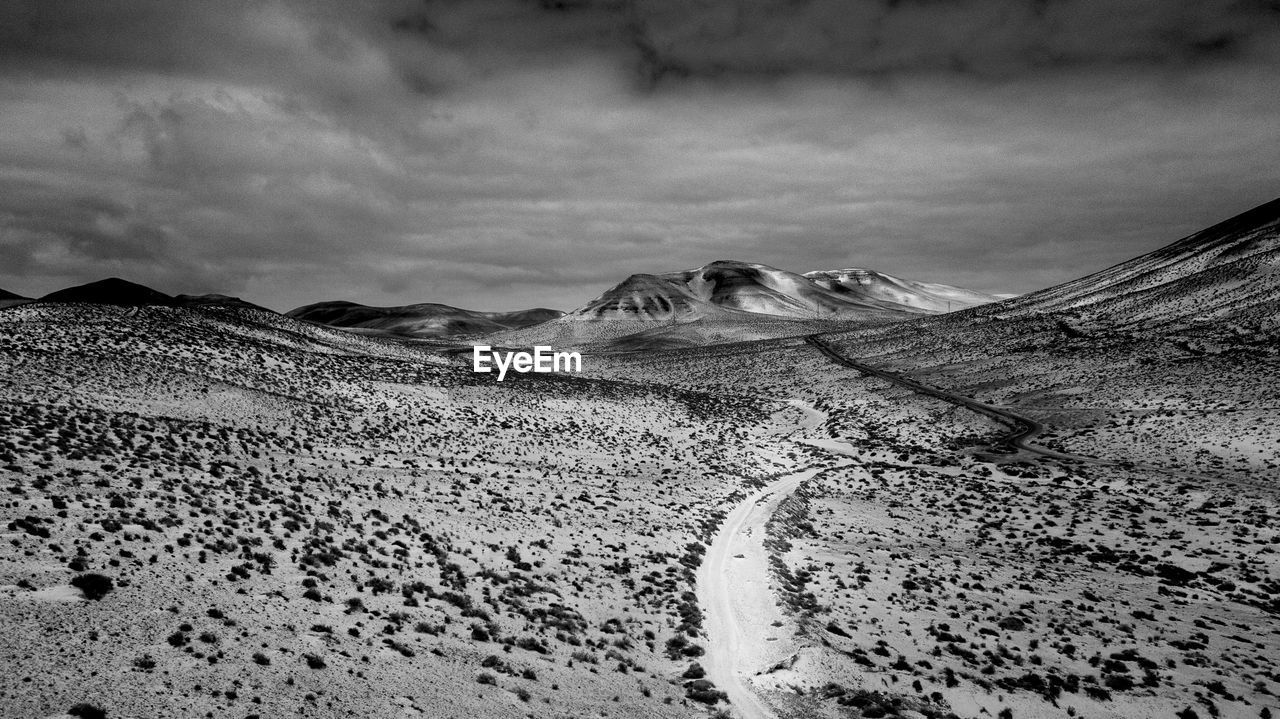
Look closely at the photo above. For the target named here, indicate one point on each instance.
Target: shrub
(145, 662)
(533, 645)
(675, 645)
(260, 658)
(87, 711)
(314, 661)
(487, 678)
(701, 690)
(93, 586)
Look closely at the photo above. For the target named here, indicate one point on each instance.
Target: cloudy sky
(497, 154)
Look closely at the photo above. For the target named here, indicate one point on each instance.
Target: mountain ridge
(732, 286)
(731, 300)
(424, 319)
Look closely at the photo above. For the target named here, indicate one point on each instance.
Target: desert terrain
(299, 521)
(1062, 505)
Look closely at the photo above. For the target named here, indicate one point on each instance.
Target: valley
(1041, 507)
(637, 359)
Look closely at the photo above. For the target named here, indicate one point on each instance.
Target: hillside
(1182, 343)
(1229, 272)
(926, 296)
(420, 320)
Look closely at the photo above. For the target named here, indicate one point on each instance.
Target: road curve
(733, 587)
(1022, 429)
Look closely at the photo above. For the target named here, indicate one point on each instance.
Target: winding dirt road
(1023, 429)
(746, 630)
(739, 607)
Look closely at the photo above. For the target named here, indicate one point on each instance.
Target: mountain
(731, 301)
(1227, 272)
(217, 300)
(869, 284)
(727, 289)
(9, 299)
(420, 320)
(115, 291)
(111, 291)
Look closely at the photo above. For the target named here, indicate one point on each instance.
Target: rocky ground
(229, 514)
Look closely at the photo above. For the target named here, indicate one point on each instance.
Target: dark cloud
(996, 38)
(502, 153)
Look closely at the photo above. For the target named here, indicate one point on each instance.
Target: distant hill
(216, 300)
(115, 291)
(727, 288)
(421, 320)
(721, 289)
(728, 301)
(9, 299)
(111, 291)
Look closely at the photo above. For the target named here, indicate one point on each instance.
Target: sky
(503, 154)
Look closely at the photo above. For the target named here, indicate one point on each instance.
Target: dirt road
(1023, 429)
(739, 608)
